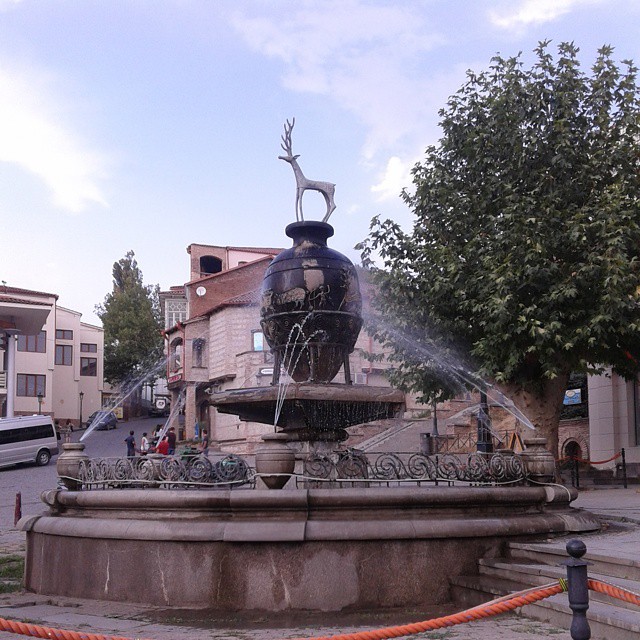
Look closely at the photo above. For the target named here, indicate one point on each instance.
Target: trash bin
(426, 444)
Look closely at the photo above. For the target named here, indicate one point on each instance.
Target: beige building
(52, 362)
(614, 419)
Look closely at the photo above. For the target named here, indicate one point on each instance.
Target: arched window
(176, 354)
(198, 352)
(210, 264)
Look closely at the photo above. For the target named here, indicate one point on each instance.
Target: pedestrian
(144, 444)
(163, 446)
(69, 425)
(131, 445)
(204, 444)
(172, 440)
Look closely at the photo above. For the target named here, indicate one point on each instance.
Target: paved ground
(135, 621)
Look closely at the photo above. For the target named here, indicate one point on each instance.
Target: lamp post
(39, 404)
(81, 397)
(485, 443)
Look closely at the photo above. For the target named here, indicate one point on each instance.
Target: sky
(148, 125)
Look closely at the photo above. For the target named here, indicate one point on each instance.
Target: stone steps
(536, 564)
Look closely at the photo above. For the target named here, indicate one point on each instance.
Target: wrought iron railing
(166, 471)
(468, 442)
(344, 468)
(356, 467)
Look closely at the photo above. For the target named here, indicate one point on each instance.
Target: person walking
(144, 444)
(204, 444)
(172, 440)
(131, 445)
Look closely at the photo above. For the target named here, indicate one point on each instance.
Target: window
(87, 347)
(31, 385)
(175, 311)
(176, 354)
(258, 340)
(22, 434)
(35, 344)
(88, 367)
(210, 264)
(64, 354)
(198, 352)
(64, 334)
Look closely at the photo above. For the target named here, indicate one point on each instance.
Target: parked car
(27, 439)
(160, 406)
(104, 420)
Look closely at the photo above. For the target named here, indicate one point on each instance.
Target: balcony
(3, 379)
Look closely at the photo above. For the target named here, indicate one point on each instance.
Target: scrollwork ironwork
(167, 471)
(343, 466)
(474, 468)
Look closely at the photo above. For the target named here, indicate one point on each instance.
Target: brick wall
(225, 285)
(576, 430)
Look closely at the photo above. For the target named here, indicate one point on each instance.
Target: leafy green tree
(130, 317)
(525, 251)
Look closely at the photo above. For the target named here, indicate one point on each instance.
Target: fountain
(342, 533)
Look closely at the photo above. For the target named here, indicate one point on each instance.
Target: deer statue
(327, 189)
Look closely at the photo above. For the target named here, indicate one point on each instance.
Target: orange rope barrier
(614, 457)
(492, 608)
(37, 631)
(614, 592)
(495, 607)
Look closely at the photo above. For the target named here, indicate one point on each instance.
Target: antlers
(286, 138)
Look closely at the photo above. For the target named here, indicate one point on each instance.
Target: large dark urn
(311, 306)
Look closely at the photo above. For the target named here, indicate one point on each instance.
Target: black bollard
(578, 589)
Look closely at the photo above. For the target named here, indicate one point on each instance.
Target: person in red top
(163, 446)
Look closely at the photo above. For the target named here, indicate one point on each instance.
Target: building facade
(52, 362)
(614, 419)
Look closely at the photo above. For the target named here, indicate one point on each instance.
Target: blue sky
(152, 124)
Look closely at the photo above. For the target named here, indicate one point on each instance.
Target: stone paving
(135, 621)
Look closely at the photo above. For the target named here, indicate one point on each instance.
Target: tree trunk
(542, 406)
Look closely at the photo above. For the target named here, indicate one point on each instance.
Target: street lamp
(485, 443)
(39, 404)
(81, 396)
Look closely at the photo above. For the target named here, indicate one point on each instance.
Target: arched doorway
(572, 449)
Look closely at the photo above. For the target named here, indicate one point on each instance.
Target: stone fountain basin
(312, 404)
(315, 549)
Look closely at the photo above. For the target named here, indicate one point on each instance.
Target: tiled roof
(4, 289)
(269, 250)
(249, 297)
(13, 300)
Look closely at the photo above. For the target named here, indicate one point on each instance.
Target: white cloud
(534, 12)
(34, 137)
(8, 4)
(396, 177)
(362, 55)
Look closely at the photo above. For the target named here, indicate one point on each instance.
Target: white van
(27, 439)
